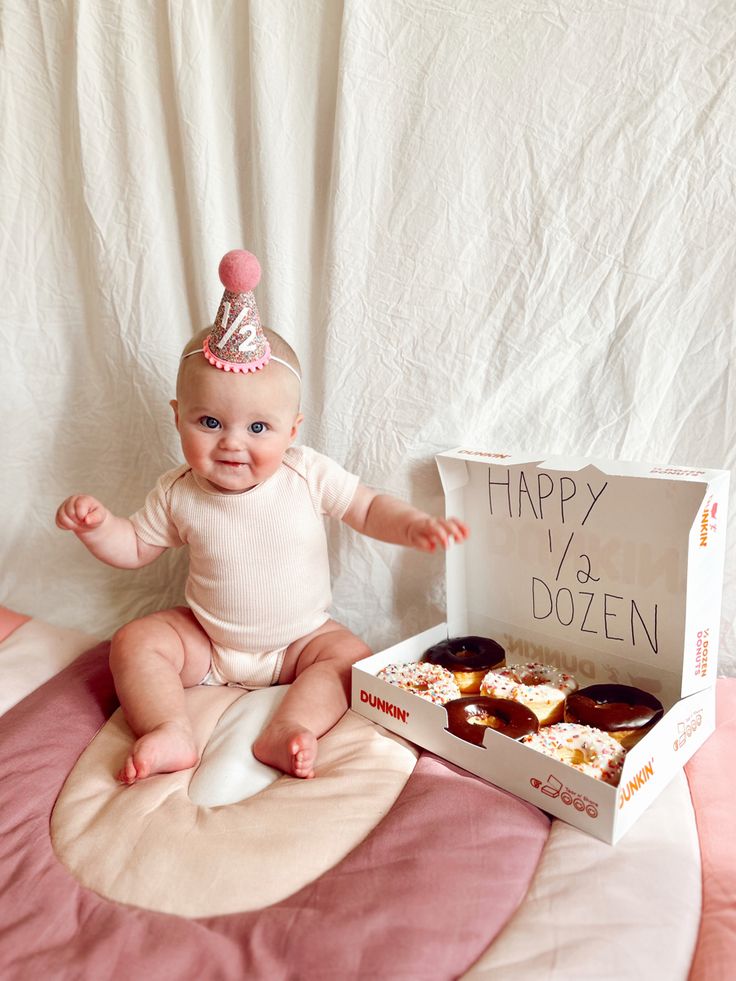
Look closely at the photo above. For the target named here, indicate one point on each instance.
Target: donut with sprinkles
(430, 681)
(540, 687)
(588, 750)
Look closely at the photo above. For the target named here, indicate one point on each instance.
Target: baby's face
(235, 428)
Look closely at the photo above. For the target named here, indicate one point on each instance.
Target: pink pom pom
(239, 271)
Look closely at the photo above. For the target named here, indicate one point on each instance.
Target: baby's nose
(231, 439)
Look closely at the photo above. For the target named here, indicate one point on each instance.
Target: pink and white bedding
(390, 864)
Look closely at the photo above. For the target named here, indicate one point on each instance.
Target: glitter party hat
(237, 341)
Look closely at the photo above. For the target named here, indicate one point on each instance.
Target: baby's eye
(209, 422)
(257, 428)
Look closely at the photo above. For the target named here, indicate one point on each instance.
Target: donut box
(609, 571)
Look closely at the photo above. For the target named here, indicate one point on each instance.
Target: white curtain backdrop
(498, 223)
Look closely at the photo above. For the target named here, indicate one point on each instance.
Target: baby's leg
(318, 669)
(152, 661)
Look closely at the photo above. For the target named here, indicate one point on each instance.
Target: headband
(271, 358)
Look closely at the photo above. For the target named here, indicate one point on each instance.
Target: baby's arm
(110, 539)
(391, 520)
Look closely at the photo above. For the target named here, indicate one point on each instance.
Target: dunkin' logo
(708, 521)
(633, 786)
(489, 456)
(382, 705)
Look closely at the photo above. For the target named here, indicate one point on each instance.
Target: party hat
(237, 341)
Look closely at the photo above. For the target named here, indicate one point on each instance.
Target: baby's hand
(80, 512)
(427, 533)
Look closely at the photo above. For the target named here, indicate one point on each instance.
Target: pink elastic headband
(271, 357)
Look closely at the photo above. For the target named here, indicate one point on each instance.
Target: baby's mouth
(232, 463)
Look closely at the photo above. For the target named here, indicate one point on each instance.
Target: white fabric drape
(507, 225)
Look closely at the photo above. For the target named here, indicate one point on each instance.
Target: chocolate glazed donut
(624, 712)
(469, 659)
(468, 718)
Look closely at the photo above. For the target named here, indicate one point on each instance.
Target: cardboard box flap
(614, 468)
(590, 560)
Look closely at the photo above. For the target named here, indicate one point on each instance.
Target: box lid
(611, 569)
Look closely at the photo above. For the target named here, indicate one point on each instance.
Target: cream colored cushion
(150, 845)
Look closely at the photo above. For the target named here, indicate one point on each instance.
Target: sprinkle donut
(469, 717)
(469, 659)
(429, 681)
(588, 750)
(541, 688)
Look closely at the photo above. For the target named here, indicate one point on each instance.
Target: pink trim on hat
(236, 366)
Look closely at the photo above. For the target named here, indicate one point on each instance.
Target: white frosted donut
(429, 681)
(540, 687)
(588, 750)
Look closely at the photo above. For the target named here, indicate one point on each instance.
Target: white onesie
(259, 575)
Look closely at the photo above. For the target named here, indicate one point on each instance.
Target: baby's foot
(291, 749)
(168, 748)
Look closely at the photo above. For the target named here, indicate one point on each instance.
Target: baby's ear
(295, 428)
(175, 406)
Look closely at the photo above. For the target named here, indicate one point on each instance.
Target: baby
(250, 505)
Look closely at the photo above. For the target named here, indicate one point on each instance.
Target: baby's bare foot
(166, 749)
(292, 749)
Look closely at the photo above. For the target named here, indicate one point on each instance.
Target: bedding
(391, 863)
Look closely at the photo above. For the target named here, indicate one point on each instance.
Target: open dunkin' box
(611, 572)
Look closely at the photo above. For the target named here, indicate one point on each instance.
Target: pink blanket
(710, 774)
(423, 895)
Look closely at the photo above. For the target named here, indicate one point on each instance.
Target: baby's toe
(128, 773)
